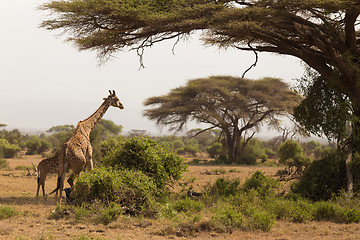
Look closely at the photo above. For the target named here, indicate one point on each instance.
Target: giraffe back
(48, 165)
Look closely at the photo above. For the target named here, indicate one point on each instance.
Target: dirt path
(18, 190)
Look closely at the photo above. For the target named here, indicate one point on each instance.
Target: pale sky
(46, 81)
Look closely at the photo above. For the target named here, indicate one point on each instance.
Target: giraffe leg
(38, 187)
(61, 180)
(43, 190)
(89, 162)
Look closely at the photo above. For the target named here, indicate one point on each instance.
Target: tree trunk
(231, 147)
(349, 175)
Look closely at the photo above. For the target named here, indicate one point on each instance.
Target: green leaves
(145, 155)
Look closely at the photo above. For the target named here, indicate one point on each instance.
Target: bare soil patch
(18, 190)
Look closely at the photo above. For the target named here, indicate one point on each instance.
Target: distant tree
(37, 145)
(60, 134)
(214, 150)
(205, 139)
(103, 130)
(292, 155)
(310, 146)
(8, 150)
(14, 137)
(2, 125)
(234, 105)
(61, 128)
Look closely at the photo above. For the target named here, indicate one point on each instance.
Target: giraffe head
(114, 100)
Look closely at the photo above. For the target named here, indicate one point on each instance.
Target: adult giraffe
(76, 153)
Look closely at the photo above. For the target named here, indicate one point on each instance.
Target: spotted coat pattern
(45, 167)
(77, 151)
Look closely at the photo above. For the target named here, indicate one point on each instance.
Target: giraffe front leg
(89, 161)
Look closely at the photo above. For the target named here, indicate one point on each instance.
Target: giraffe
(46, 166)
(76, 153)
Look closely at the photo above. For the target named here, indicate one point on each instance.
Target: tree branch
(256, 59)
(204, 130)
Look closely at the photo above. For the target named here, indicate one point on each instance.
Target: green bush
(292, 155)
(8, 150)
(188, 205)
(7, 212)
(4, 164)
(109, 144)
(323, 178)
(222, 159)
(331, 211)
(37, 145)
(227, 218)
(214, 150)
(262, 184)
(223, 187)
(98, 213)
(145, 155)
(132, 190)
(247, 159)
(241, 212)
(261, 220)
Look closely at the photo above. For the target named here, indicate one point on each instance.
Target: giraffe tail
(57, 186)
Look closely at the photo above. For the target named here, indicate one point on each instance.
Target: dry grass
(18, 190)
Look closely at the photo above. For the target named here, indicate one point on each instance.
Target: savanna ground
(18, 190)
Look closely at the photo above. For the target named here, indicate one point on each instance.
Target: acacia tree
(322, 33)
(234, 105)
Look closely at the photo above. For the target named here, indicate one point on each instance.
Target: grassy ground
(32, 220)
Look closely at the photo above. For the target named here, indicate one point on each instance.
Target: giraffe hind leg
(61, 180)
(38, 187)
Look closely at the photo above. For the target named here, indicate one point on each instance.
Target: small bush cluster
(7, 212)
(4, 164)
(246, 159)
(37, 145)
(145, 155)
(323, 178)
(8, 150)
(132, 190)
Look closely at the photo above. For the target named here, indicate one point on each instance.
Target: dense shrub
(145, 155)
(228, 217)
(188, 205)
(223, 159)
(98, 213)
(132, 190)
(214, 150)
(247, 159)
(223, 187)
(292, 155)
(37, 145)
(8, 150)
(323, 178)
(262, 184)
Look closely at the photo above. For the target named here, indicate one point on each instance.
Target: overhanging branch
(204, 130)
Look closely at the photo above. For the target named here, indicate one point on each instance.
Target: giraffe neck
(88, 124)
